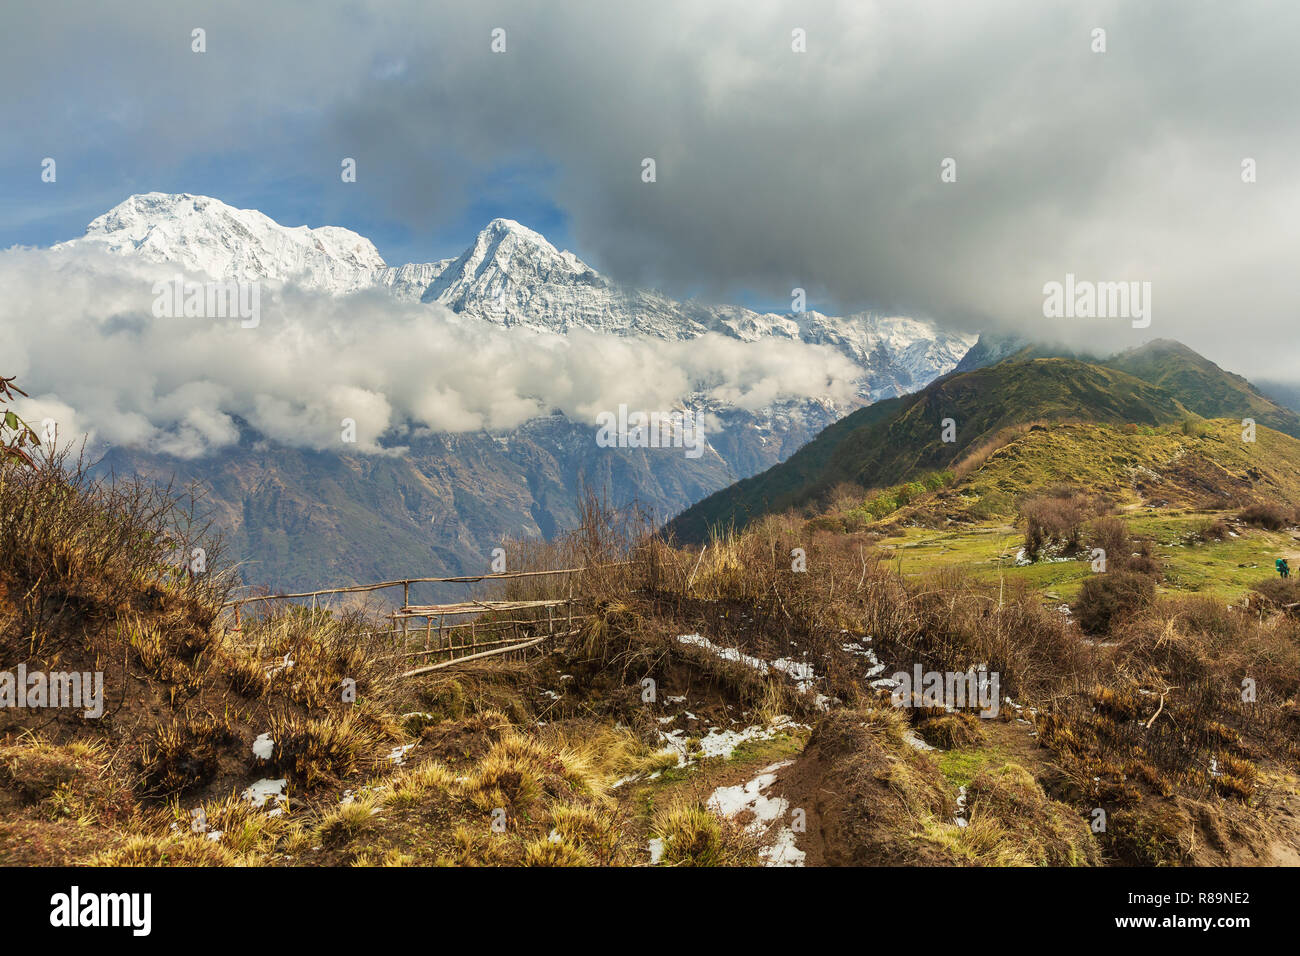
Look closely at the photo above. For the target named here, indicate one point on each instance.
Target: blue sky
(40, 214)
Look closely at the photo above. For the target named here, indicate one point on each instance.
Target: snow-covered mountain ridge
(510, 276)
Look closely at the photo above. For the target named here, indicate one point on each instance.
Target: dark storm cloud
(775, 169)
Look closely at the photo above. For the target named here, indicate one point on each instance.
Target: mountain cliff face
(297, 517)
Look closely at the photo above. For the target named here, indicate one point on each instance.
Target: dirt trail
(803, 782)
(1283, 849)
(799, 784)
(1292, 556)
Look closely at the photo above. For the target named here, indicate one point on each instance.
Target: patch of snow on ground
(263, 747)
(783, 851)
(726, 653)
(263, 790)
(656, 847)
(398, 754)
(910, 736)
(875, 667)
(731, 801)
(801, 672)
(767, 811)
(721, 743)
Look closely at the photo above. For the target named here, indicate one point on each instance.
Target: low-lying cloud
(78, 331)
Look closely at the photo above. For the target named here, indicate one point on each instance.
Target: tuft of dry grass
(1037, 830)
(183, 755)
(951, 730)
(693, 836)
(322, 750)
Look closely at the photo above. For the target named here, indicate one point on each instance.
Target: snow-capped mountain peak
(509, 275)
(204, 235)
(501, 271)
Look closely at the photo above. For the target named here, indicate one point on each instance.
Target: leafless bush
(1268, 515)
(1058, 516)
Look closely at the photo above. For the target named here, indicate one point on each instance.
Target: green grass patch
(959, 767)
(1225, 569)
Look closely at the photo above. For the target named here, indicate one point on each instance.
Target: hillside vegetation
(1160, 384)
(1202, 386)
(716, 708)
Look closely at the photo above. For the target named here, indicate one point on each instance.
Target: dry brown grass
(182, 755)
(478, 749)
(691, 835)
(951, 730)
(1269, 515)
(1037, 830)
(976, 457)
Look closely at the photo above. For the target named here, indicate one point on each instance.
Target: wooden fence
(483, 633)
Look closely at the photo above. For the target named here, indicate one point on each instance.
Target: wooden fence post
(406, 602)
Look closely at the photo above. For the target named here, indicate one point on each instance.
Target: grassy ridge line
(1204, 387)
(1134, 463)
(1160, 383)
(896, 442)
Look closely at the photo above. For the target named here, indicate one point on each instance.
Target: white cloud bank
(78, 331)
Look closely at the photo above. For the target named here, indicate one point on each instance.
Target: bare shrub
(1268, 515)
(1104, 598)
(1058, 516)
(1215, 530)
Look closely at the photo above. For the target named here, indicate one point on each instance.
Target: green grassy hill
(1167, 485)
(887, 443)
(1162, 383)
(1167, 466)
(1202, 386)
